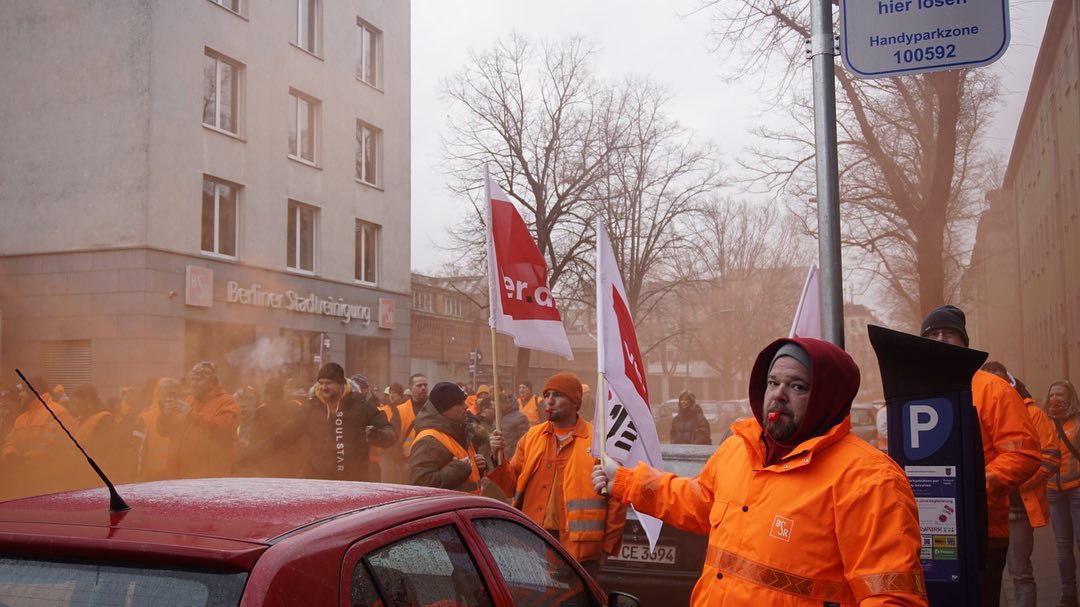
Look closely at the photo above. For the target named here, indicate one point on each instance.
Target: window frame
(296, 208)
(237, 105)
(315, 32)
(239, 11)
(363, 228)
(297, 96)
(365, 30)
(237, 188)
(425, 296)
(363, 126)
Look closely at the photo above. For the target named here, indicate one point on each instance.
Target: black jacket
(338, 441)
(691, 427)
(430, 464)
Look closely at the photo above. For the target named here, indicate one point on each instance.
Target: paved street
(1044, 562)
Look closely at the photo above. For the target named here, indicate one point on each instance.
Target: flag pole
(493, 307)
(601, 389)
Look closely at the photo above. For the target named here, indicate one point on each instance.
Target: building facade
(207, 179)
(1031, 238)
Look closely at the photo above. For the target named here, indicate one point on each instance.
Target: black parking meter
(934, 435)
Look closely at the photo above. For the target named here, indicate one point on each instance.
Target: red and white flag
(807, 322)
(522, 306)
(626, 417)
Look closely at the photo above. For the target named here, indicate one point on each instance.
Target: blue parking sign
(927, 424)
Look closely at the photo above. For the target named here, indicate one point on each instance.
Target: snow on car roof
(247, 509)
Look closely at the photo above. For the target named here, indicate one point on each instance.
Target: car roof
(251, 510)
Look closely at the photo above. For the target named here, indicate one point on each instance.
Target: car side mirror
(621, 599)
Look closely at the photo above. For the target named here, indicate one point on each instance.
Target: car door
(424, 563)
(533, 569)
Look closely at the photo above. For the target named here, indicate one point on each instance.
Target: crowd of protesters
(331, 427)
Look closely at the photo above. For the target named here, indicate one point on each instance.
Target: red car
(282, 542)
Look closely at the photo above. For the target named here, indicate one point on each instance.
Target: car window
(57, 584)
(427, 569)
(535, 572)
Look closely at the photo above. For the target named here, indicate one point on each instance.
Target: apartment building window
(219, 213)
(231, 5)
(452, 306)
(368, 152)
(301, 236)
(308, 25)
(221, 92)
(367, 252)
(368, 53)
(423, 301)
(303, 126)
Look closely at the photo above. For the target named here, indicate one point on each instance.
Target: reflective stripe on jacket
(1033, 491)
(472, 483)
(1010, 445)
(1067, 476)
(591, 524)
(834, 522)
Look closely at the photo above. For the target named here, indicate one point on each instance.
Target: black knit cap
(333, 372)
(445, 395)
(946, 317)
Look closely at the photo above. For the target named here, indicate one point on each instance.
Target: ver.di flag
(522, 306)
(626, 417)
(807, 321)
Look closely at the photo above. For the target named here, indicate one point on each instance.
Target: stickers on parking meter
(935, 494)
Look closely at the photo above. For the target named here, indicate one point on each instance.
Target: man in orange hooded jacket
(798, 510)
(1011, 450)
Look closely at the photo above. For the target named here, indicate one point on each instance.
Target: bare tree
(911, 166)
(567, 147)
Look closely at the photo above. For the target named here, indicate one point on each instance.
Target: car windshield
(60, 584)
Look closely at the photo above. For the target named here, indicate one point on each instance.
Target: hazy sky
(642, 37)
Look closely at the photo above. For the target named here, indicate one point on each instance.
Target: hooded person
(36, 456)
(442, 453)
(202, 428)
(1011, 450)
(798, 510)
(690, 426)
(340, 425)
(549, 477)
(153, 447)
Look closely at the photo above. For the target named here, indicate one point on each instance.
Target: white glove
(603, 475)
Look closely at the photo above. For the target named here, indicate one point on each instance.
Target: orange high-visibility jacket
(591, 524)
(530, 409)
(408, 432)
(1033, 491)
(1010, 447)
(472, 482)
(155, 447)
(834, 522)
(1067, 476)
(203, 443)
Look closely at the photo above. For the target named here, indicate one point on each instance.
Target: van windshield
(25, 582)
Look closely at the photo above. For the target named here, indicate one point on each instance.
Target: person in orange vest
(1063, 490)
(549, 477)
(526, 402)
(1028, 508)
(473, 400)
(392, 461)
(1010, 445)
(154, 449)
(797, 509)
(36, 455)
(442, 454)
(202, 428)
(418, 395)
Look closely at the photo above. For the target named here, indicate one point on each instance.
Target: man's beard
(781, 429)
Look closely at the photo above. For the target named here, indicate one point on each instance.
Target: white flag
(807, 321)
(625, 418)
(522, 306)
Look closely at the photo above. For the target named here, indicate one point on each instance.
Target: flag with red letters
(625, 419)
(522, 306)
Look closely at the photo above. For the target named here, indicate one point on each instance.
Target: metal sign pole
(828, 184)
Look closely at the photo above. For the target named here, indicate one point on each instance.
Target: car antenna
(116, 503)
